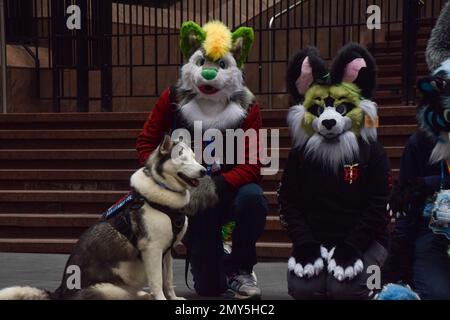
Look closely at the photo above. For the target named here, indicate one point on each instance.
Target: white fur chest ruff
(213, 114)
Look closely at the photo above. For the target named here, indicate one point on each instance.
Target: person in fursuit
(420, 254)
(211, 89)
(335, 186)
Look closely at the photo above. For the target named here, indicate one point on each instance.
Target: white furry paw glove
(307, 260)
(345, 262)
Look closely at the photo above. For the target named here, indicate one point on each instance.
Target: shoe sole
(235, 295)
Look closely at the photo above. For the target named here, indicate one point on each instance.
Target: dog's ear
(304, 69)
(166, 146)
(242, 41)
(191, 38)
(354, 64)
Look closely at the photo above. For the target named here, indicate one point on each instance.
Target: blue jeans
(209, 267)
(431, 267)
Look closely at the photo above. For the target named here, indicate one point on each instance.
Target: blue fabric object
(114, 209)
(394, 291)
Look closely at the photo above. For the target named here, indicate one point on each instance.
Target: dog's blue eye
(222, 64)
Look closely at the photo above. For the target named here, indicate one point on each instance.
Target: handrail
(271, 48)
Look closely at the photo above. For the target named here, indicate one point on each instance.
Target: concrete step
(71, 201)
(91, 120)
(49, 220)
(79, 159)
(72, 225)
(27, 140)
(67, 179)
(68, 159)
(96, 123)
(69, 139)
(265, 250)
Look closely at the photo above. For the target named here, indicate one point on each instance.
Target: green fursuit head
(333, 110)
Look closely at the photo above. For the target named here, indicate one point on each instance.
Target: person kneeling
(335, 186)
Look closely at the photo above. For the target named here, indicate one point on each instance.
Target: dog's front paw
(344, 266)
(158, 296)
(176, 298)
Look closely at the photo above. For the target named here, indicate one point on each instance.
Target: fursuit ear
(355, 64)
(242, 39)
(304, 69)
(166, 145)
(191, 38)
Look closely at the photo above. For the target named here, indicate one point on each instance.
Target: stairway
(59, 172)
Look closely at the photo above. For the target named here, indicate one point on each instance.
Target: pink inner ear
(352, 69)
(306, 77)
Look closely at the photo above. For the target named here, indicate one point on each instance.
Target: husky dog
(125, 252)
(333, 107)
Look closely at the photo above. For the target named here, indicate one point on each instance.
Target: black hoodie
(331, 208)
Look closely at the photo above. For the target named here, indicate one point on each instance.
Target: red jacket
(160, 123)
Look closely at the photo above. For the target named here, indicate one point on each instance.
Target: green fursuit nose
(209, 73)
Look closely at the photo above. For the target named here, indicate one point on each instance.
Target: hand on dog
(345, 262)
(307, 260)
(204, 196)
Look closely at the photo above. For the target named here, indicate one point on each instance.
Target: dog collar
(149, 174)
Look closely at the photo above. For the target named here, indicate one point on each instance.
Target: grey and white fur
(115, 265)
(438, 48)
(223, 109)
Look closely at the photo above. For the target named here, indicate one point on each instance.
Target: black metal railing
(127, 51)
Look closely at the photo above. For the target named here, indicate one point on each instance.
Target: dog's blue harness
(119, 216)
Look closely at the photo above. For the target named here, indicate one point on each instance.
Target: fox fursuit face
(332, 115)
(434, 111)
(211, 88)
(213, 91)
(115, 264)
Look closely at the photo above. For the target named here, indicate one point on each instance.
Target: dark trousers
(325, 286)
(431, 266)
(248, 208)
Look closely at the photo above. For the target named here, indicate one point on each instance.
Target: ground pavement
(45, 271)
